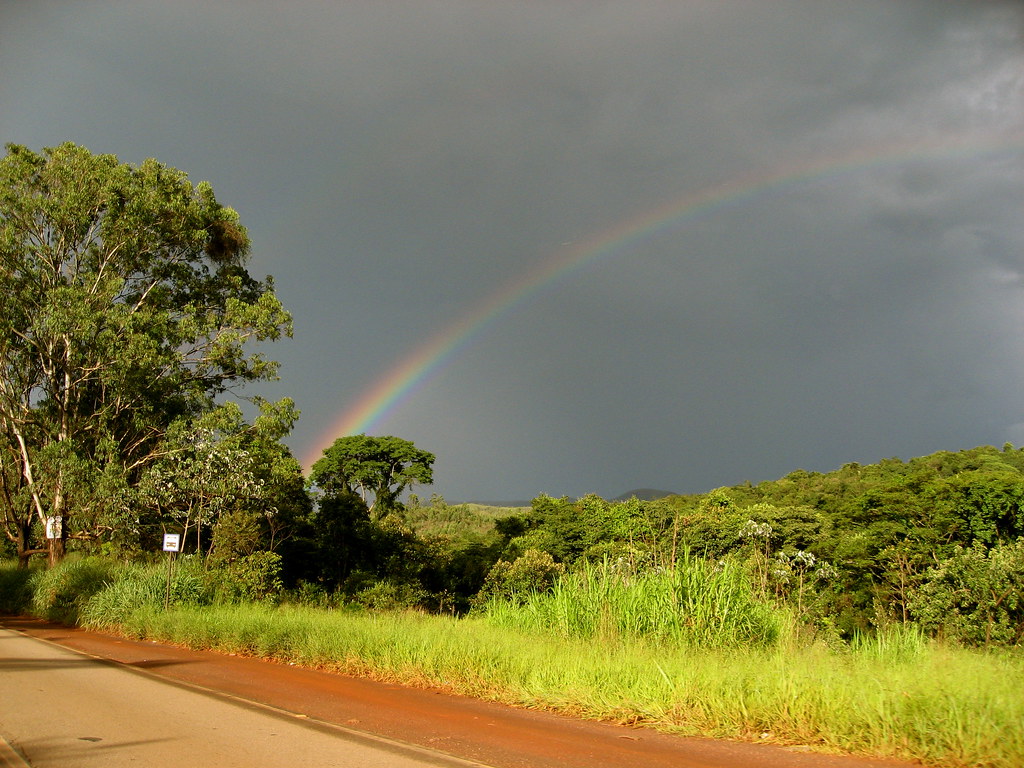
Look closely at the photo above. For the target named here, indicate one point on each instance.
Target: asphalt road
(63, 709)
(71, 698)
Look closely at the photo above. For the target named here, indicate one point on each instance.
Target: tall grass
(99, 593)
(60, 593)
(698, 603)
(133, 587)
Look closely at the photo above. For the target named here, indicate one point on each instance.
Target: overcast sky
(835, 273)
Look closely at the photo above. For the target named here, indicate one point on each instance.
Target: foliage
(893, 693)
(933, 541)
(15, 588)
(230, 487)
(313, 595)
(976, 595)
(802, 580)
(438, 553)
(563, 528)
(530, 573)
(879, 526)
(252, 578)
(378, 467)
(437, 517)
(125, 309)
(329, 543)
(102, 593)
(844, 552)
(390, 595)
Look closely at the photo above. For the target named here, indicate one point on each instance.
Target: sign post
(172, 544)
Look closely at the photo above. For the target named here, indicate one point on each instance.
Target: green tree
(976, 595)
(331, 543)
(564, 528)
(231, 488)
(377, 469)
(125, 306)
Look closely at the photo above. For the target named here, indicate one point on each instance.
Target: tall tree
(125, 305)
(378, 469)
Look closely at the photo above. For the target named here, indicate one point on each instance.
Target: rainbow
(410, 373)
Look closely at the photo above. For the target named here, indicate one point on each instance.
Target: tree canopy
(377, 467)
(125, 307)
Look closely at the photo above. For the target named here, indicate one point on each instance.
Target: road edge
(10, 757)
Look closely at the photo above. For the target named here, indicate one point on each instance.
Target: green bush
(976, 596)
(253, 578)
(312, 595)
(15, 588)
(391, 595)
(533, 571)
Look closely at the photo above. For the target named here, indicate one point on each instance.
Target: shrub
(976, 596)
(533, 571)
(253, 578)
(313, 595)
(391, 595)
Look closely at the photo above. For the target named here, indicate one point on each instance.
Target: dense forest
(934, 540)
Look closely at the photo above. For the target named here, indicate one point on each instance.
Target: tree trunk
(22, 544)
(55, 550)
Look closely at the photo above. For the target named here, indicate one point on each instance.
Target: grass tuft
(59, 594)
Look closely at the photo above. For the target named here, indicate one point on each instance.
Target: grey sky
(397, 163)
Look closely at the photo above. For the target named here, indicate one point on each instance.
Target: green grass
(698, 603)
(895, 694)
(59, 594)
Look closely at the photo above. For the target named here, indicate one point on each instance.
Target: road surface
(71, 698)
(62, 709)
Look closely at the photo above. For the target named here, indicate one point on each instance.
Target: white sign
(54, 526)
(172, 542)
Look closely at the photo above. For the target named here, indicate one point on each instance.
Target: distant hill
(500, 504)
(645, 494)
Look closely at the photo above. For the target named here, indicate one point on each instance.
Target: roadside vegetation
(894, 692)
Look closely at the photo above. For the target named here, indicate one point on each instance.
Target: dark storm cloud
(398, 162)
